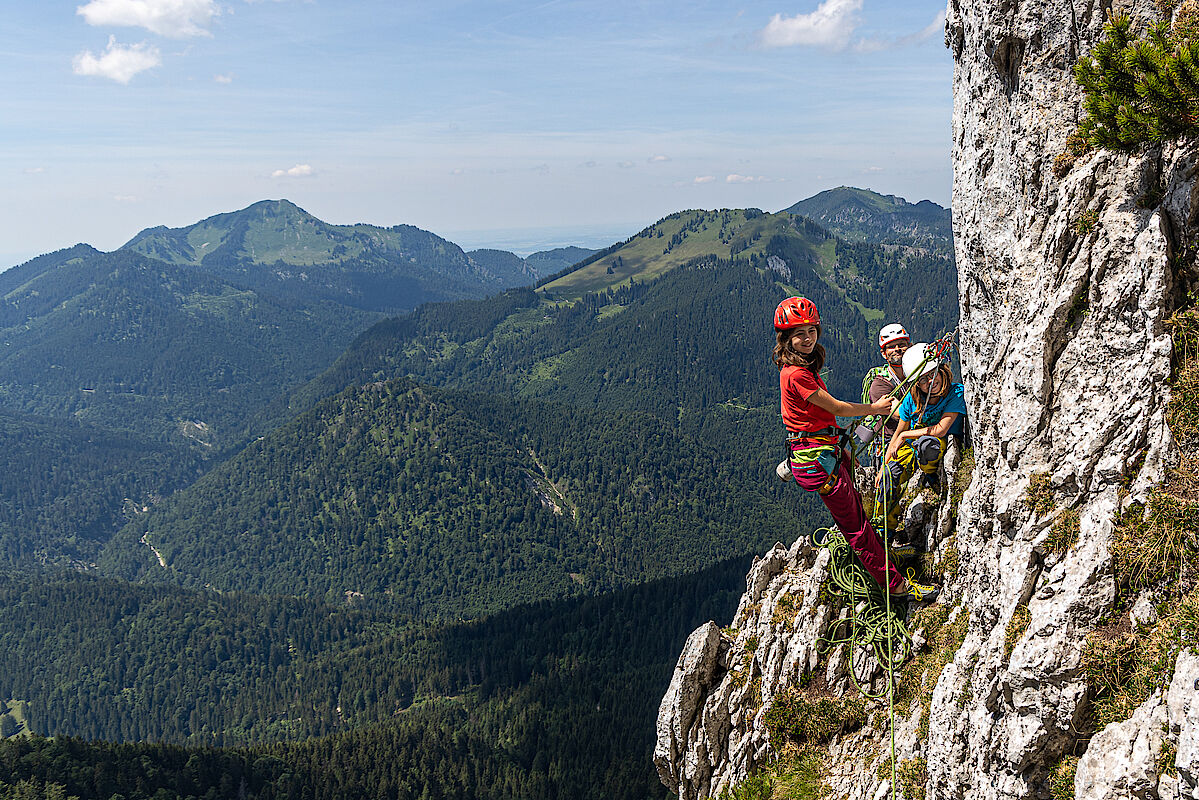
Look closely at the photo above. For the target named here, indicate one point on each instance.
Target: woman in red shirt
(818, 461)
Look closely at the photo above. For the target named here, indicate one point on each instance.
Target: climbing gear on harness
(825, 447)
(868, 429)
(795, 311)
(783, 470)
(891, 333)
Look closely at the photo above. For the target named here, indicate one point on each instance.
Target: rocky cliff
(1066, 285)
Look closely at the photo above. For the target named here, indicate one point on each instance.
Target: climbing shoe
(932, 480)
(918, 592)
(899, 553)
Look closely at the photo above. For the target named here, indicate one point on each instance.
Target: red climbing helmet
(795, 311)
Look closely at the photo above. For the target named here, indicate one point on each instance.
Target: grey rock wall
(1065, 285)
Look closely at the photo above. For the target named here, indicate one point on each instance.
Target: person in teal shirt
(933, 411)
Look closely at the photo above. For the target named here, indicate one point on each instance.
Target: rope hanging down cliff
(872, 624)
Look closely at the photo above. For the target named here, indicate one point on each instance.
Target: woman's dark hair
(786, 356)
(923, 400)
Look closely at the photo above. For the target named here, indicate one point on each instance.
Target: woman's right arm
(841, 408)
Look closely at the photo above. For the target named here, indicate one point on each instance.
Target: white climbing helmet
(916, 354)
(890, 333)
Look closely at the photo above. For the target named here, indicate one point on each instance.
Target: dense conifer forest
(555, 699)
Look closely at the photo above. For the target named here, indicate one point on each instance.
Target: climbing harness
(825, 447)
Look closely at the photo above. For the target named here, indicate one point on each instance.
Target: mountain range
(859, 215)
(250, 438)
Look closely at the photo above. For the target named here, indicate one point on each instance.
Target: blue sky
(485, 122)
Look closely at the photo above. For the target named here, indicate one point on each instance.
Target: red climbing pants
(845, 504)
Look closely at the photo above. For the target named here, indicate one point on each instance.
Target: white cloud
(705, 179)
(830, 26)
(625, 164)
(657, 159)
(298, 171)
(124, 198)
(933, 28)
(118, 62)
(735, 178)
(930, 30)
(227, 78)
(34, 170)
(176, 19)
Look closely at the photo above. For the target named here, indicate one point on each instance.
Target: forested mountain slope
(274, 245)
(687, 335)
(131, 343)
(550, 700)
(548, 262)
(860, 215)
(183, 350)
(68, 486)
(461, 504)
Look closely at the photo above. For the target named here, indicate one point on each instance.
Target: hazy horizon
(514, 116)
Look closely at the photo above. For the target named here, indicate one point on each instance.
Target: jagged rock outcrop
(711, 727)
(1065, 286)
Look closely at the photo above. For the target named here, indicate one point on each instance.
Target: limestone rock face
(1182, 704)
(1121, 759)
(710, 731)
(1065, 284)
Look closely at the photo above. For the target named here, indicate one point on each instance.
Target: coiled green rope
(872, 624)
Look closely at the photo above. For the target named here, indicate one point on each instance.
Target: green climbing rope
(872, 625)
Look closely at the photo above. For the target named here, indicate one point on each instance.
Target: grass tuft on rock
(809, 716)
(912, 777)
(1125, 667)
(1017, 626)
(1064, 532)
(1061, 780)
(1038, 498)
(796, 774)
(920, 675)
(1157, 544)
